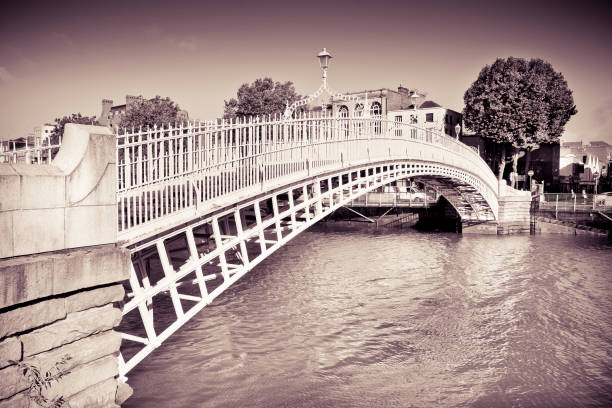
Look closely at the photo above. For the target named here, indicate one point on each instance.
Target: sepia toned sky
(63, 57)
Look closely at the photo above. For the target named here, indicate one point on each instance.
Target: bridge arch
(222, 245)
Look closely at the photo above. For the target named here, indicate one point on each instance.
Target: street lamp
(530, 174)
(324, 58)
(414, 96)
(457, 130)
(596, 177)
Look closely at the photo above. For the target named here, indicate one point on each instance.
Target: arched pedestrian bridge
(194, 207)
(201, 205)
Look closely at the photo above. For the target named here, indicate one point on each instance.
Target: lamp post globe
(530, 174)
(324, 58)
(414, 96)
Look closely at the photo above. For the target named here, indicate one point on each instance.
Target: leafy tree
(147, 113)
(262, 97)
(58, 130)
(519, 104)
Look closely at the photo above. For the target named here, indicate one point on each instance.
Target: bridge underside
(465, 198)
(189, 265)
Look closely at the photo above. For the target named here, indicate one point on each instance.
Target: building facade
(429, 115)
(578, 163)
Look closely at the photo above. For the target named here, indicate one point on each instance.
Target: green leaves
(58, 131)
(520, 102)
(39, 381)
(148, 113)
(262, 97)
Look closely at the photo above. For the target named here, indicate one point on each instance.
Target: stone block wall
(77, 323)
(53, 203)
(514, 216)
(61, 273)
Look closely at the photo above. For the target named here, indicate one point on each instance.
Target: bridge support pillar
(514, 214)
(60, 276)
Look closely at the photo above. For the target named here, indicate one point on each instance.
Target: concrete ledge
(26, 278)
(488, 228)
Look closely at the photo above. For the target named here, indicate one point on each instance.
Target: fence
(31, 155)
(163, 171)
(574, 203)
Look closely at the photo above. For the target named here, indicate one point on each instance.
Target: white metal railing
(30, 154)
(572, 202)
(164, 171)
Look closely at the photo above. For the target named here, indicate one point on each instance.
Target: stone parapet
(70, 203)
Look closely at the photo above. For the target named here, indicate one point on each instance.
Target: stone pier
(60, 274)
(514, 215)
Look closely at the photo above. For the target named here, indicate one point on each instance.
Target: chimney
(104, 118)
(403, 90)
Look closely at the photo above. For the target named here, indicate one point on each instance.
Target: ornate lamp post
(530, 174)
(324, 58)
(596, 177)
(457, 130)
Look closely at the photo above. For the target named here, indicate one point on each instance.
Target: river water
(350, 317)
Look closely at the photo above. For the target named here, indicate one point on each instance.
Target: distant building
(578, 162)
(43, 133)
(111, 115)
(39, 137)
(379, 102)
(428, 115)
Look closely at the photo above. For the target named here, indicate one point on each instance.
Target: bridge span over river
(177, 214)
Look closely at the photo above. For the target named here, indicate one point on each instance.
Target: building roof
(429, 104)
(599, 143)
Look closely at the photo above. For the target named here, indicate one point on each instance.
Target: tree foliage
(58, 130)
(518, 103)
(147, 113)
(262, 97)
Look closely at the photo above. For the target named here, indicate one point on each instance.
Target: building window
(398, 126)
(358, 111)
(429, 117)
(375, 109)
(413, 119)
(343, 112)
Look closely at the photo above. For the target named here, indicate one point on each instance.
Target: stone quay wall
(60, 274)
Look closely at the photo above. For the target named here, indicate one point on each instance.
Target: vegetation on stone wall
(39, 381)
(520, 104)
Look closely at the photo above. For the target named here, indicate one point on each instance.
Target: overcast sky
(58, 58)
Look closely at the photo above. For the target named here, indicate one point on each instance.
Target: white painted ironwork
(186, 268)
(169, 175)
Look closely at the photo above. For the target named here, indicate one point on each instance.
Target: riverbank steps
(544, 225)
